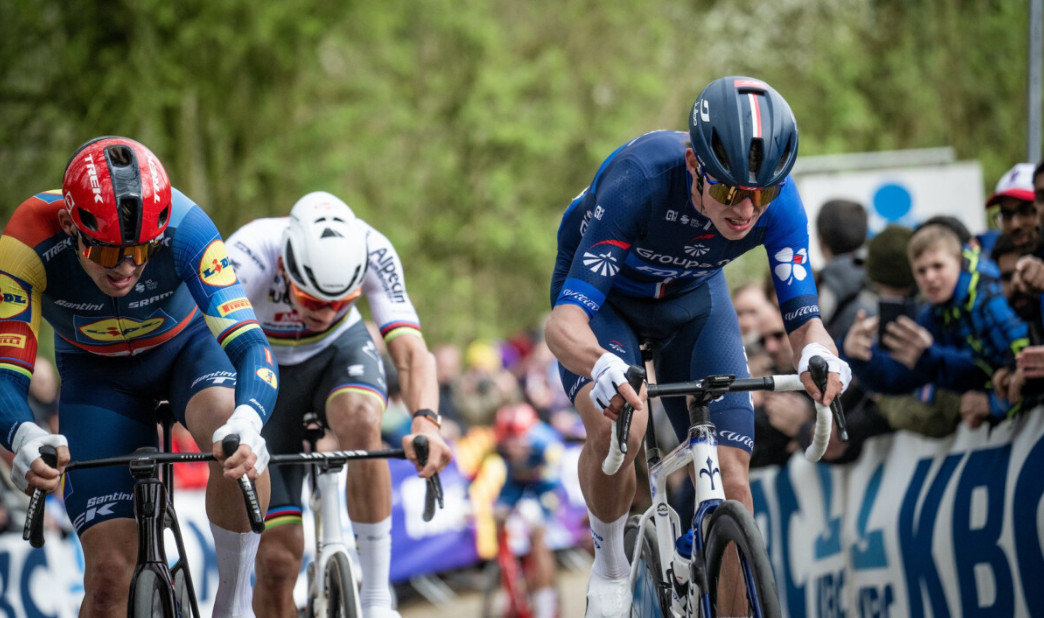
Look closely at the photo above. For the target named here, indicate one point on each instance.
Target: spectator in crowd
(966, 305)
(841, 231)
(1016, 213)
(1026, 304)
(486, 384)
(448, 366)
(750, 302)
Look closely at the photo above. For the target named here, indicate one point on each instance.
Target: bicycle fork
(328, 533)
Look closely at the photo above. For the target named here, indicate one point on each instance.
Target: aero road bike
(158, 587)
(333, 576)
(689, 570)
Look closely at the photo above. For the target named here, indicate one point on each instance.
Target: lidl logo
(119, 329)
(215, 267)
(12, 341)
(13, 297)
(233, 305)
(268, 376)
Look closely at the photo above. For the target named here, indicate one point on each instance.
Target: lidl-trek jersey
(189, 277)
(635, 232)
(255, 250)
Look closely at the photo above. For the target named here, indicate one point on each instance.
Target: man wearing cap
(1018, 216)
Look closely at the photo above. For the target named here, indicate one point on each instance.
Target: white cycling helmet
(324, 247)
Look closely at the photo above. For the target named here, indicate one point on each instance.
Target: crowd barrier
(916, 527)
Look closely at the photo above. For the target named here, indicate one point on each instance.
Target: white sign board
(904, 195)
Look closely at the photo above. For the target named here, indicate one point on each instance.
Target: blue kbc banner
(916, 527)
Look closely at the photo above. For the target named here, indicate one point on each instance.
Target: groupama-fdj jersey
(639, 258)
(188, 281)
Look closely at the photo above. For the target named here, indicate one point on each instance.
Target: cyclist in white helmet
(304, 275)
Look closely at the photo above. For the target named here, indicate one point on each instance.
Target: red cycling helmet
(514, 420)
(117, 192)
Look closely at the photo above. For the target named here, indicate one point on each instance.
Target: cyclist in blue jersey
(134, 279)
(640, 257)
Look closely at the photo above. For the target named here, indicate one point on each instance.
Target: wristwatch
(434, 417)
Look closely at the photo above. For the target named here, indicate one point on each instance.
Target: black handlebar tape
(818, 368)
(229, 445)
(34, 515)
(433, 489)
(635, 376)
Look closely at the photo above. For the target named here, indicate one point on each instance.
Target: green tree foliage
(463, 129)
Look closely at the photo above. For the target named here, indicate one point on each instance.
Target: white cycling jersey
(255, 250)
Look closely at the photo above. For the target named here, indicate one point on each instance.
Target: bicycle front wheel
(739, 573)
(342, 596)
(650, 597)
(151, 597)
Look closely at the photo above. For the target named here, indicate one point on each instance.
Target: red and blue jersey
(635, 232)
(189, 278)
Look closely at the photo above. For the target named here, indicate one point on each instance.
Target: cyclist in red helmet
(531, 450)
(640, 257)
(134, 279)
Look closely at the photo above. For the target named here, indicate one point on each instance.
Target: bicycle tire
(341, 593)
(150, 597)
(181, 595)
(649, 599)
(731, 531)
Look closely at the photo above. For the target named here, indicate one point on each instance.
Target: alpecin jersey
(635, 231)
(190, 275)
(255, 249)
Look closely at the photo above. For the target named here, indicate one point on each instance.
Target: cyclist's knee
(355, 418)
(106, 580)
(278, 559)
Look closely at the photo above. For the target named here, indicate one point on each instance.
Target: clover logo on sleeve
(791, 265)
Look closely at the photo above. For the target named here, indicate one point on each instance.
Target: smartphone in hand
(889, 310)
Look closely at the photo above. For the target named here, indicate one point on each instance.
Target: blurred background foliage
(463, 128)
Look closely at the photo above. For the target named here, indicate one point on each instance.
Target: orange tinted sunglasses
(312, 303)
(111, 256)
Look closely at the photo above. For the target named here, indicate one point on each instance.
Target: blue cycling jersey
(189, 278)
(635, 232)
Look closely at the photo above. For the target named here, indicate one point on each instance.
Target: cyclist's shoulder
(36, 218)
(650, 153)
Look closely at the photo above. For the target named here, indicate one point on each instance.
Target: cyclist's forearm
(811, 331)
(571, 339)
(416, 367)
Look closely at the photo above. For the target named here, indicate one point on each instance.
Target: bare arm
(420, 390)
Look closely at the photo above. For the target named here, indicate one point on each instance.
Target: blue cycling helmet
(743, 132)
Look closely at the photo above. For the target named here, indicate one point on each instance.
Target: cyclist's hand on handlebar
(251, 458)
(611, 389)
(840, 374)
(439, 453)
(28, 470)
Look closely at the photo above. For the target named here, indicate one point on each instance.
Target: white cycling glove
(609, 372)
(26, 446)
(834, 364)
(246, 422)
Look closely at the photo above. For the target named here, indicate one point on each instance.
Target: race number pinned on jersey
(215, 267)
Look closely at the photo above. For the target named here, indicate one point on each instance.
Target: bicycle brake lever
(229, 445)
(818, 368)
(33, 531)
(635, 376)
(433, 489)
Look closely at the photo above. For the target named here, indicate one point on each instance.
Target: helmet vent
(163, 216)
(783, 158)
(88, 220)
(331, 233)
(720, 152)
(754, 160)
(119, 155)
